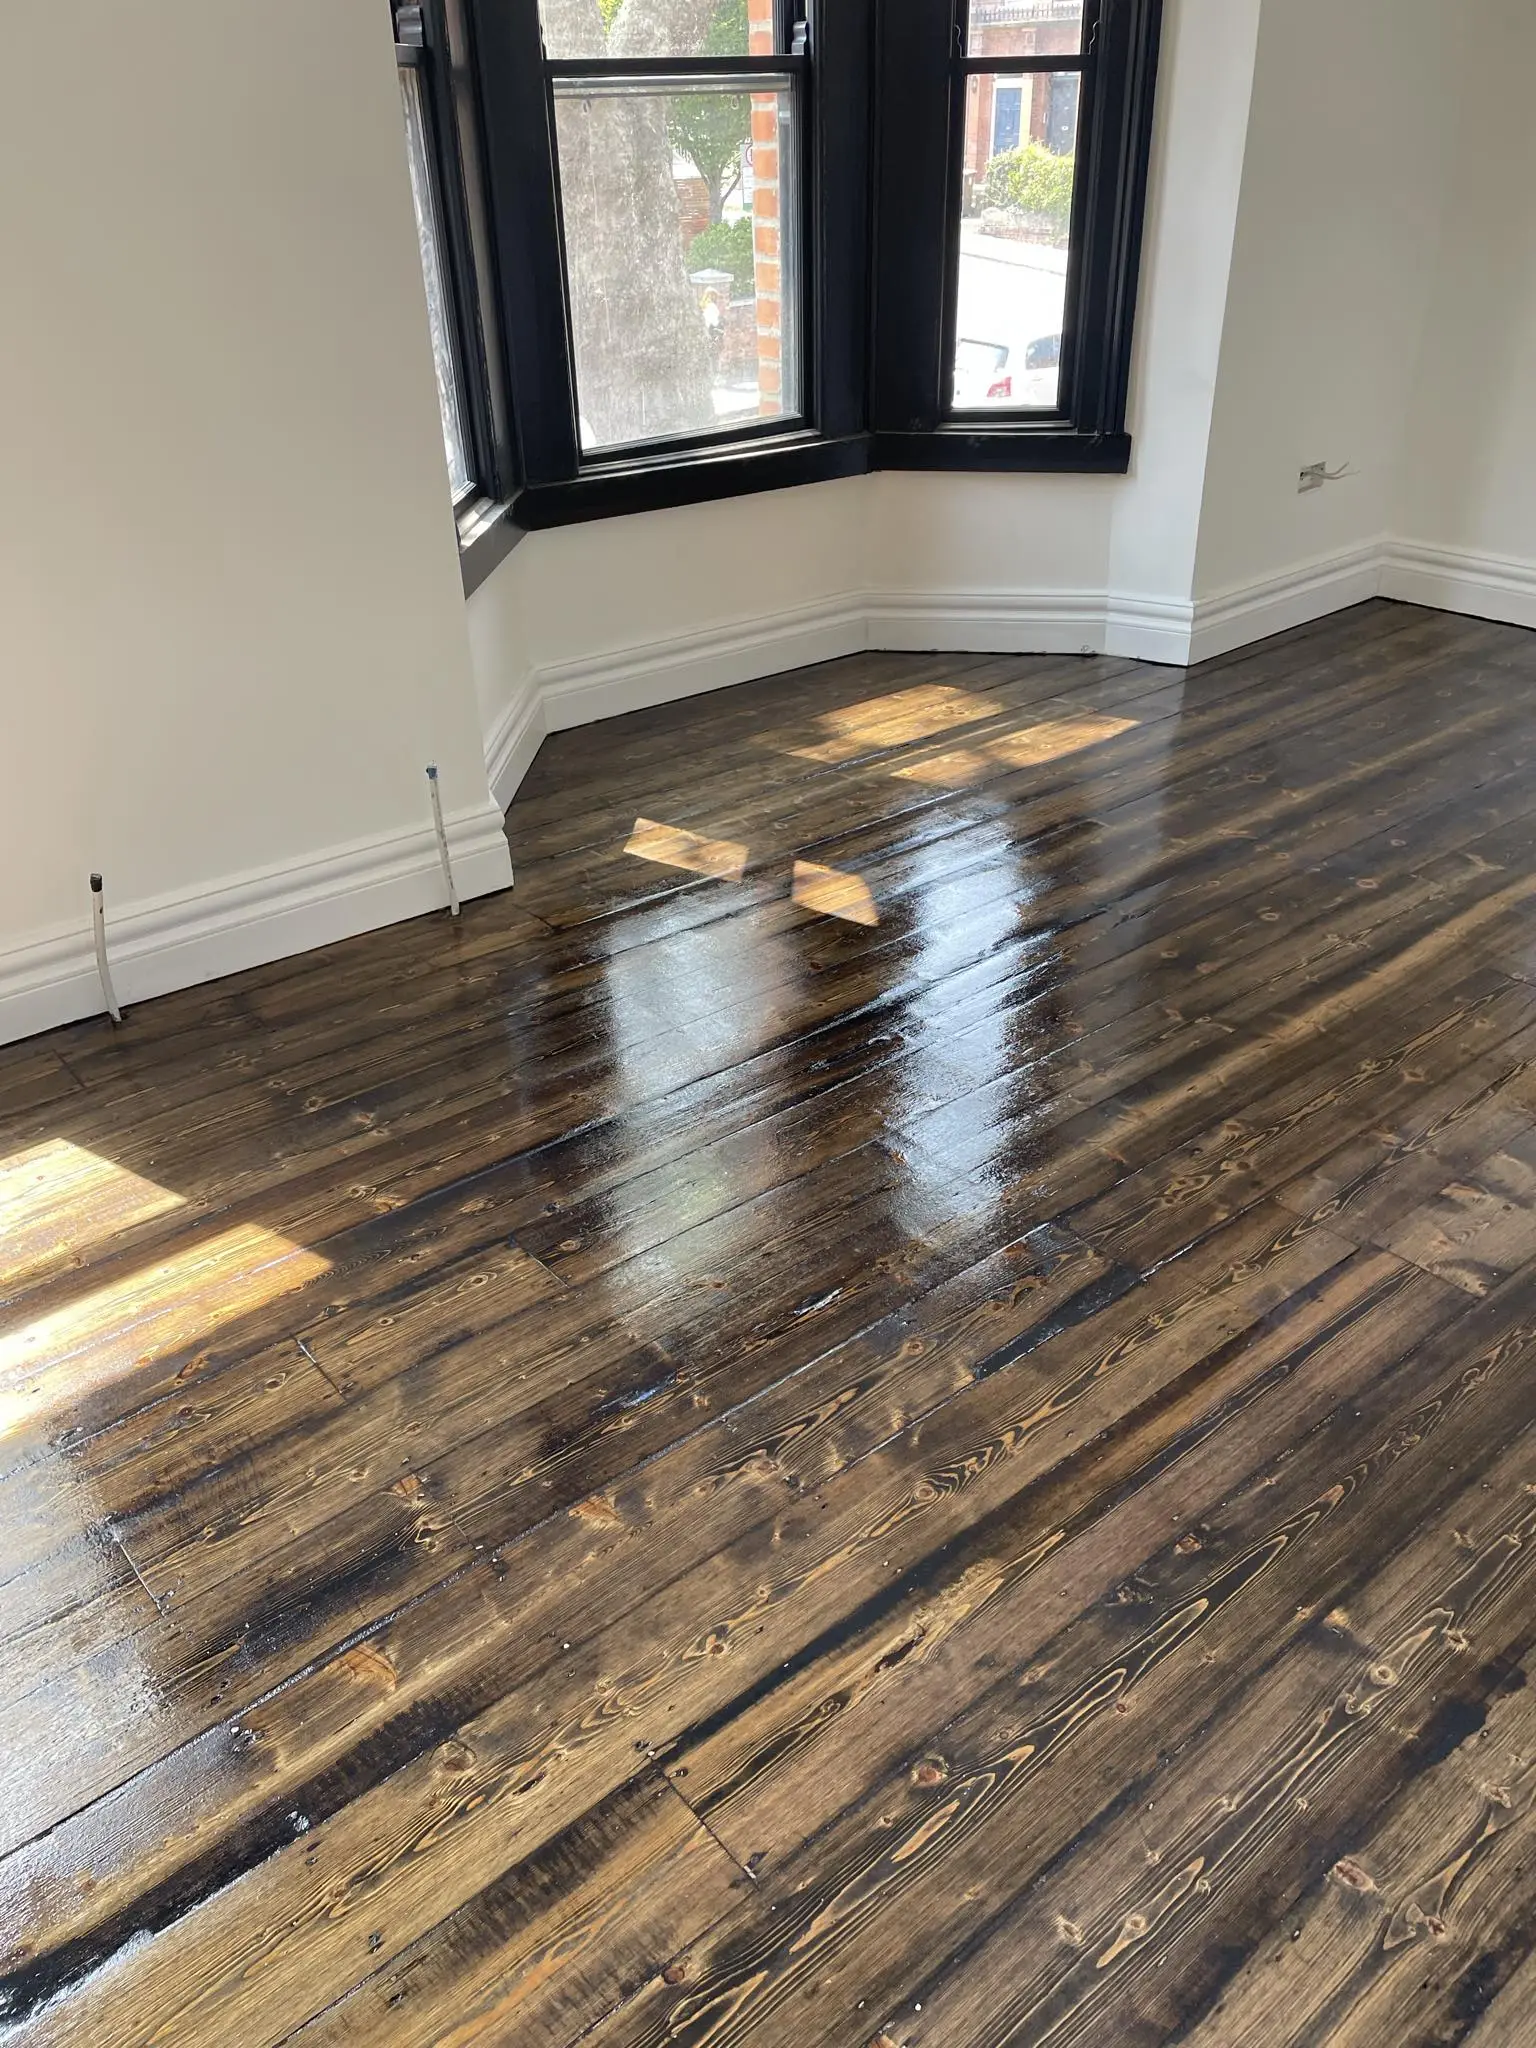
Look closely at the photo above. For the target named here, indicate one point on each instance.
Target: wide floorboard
(894, 1407)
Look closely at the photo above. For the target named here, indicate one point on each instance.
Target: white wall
(1466, 506)
(1348, 156)
(231, 625)
(1204, 98)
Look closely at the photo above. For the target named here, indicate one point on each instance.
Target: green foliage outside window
(1031, 179)
(725, 246)
(711, 129)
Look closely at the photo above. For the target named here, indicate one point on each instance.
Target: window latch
(410, 32)
(800, 36)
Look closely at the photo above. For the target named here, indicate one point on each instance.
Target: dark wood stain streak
(852, 1888)
(659, 1465)
(1062, 1506)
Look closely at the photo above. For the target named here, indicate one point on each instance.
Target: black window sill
(487, 535)
(609, 491)
(604, 492)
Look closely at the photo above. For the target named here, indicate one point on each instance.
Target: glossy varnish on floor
(897, 1404)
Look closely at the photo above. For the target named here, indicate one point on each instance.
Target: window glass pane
(1015, 218)
(445, 352)
(658, 28)
(678, 210)
(1025, 28)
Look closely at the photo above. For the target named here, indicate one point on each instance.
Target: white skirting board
(1448, 580)
(514, 740)
(1019, 622)
(176, 942)
(172, 943)
(1133, 627)
(1499, 587)
(1311, 590)
(570, 693)
(565, 694)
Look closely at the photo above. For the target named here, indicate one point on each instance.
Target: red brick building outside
(1002, 111)
(750, 341)
(767, 227)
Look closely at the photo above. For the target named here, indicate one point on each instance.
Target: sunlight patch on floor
(175, 1304)
(1053, 740)
(833, 893)
(57, 1198)
(895, 721)
(724, 860)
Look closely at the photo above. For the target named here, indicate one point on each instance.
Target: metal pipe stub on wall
(99, 931)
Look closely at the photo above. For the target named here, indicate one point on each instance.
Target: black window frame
(830, 437)
(656, 73)
(880, 218)
(925, 70)
(433, 38)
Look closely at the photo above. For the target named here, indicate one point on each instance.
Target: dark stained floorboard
(892, 1406)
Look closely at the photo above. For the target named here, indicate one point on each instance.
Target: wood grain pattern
(890, 1410)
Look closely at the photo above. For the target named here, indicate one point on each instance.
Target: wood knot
(675, 1973)
(599, 1511)
(456, 1756)
(367, 1664)
(1354, 1875)
(929, 1772)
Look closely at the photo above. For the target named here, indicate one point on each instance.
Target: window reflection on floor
(670, 846)
(832, 892)
(1052, 740)
(895, 720)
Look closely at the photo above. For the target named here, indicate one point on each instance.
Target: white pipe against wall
(99, 929)
(442, 840)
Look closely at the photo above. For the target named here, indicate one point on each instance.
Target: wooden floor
(896, 1405)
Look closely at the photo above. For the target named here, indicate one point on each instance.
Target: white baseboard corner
(1023, 622)
(661, 672)
(1497, 587)
(177, 942)
(1158, 629)
(514, 740)
(1235, 618)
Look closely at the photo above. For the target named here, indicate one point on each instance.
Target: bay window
(733, 244)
